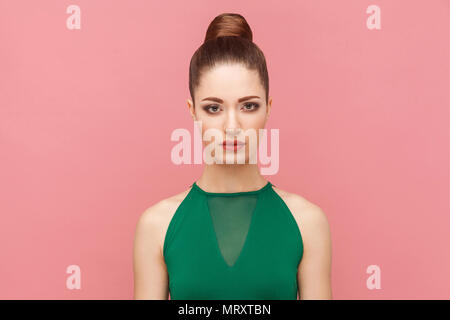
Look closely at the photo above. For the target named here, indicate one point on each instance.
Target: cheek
(256, 122)
(210, 123)
(206, 125)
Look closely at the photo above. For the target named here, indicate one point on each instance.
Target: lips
(233, 143)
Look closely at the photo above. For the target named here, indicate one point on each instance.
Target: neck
(231, 178)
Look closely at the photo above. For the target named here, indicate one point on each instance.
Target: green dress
(241, 245)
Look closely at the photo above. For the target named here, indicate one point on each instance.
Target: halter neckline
(265, 187)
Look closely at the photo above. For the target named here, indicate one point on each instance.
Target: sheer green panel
(231, 217)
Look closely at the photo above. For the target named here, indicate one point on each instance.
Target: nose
(232, 127)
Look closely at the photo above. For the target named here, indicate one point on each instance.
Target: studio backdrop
(91, 93)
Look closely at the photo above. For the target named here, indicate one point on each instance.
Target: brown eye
(212, 109)
(251, 106)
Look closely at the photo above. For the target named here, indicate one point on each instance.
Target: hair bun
(229, 24)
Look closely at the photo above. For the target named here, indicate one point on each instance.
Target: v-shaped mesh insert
(231, 217)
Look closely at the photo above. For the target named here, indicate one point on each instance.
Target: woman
(232, 234)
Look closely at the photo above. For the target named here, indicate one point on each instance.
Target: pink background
(86, 117)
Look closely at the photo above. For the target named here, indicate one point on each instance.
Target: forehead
(229, 81)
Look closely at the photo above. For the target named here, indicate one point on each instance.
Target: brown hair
(228, 39)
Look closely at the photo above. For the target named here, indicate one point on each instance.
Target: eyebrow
(221, 101)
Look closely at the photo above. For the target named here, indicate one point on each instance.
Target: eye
(251, 106)
(212, 108)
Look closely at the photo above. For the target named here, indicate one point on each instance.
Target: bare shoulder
(309, 216)
(155, 220)
(163, 209)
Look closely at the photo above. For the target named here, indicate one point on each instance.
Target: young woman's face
(231, 99)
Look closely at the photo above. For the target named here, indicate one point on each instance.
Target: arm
(150, 273)
(314, 271)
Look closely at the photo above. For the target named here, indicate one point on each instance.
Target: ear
(191, 108)
(269, 108)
